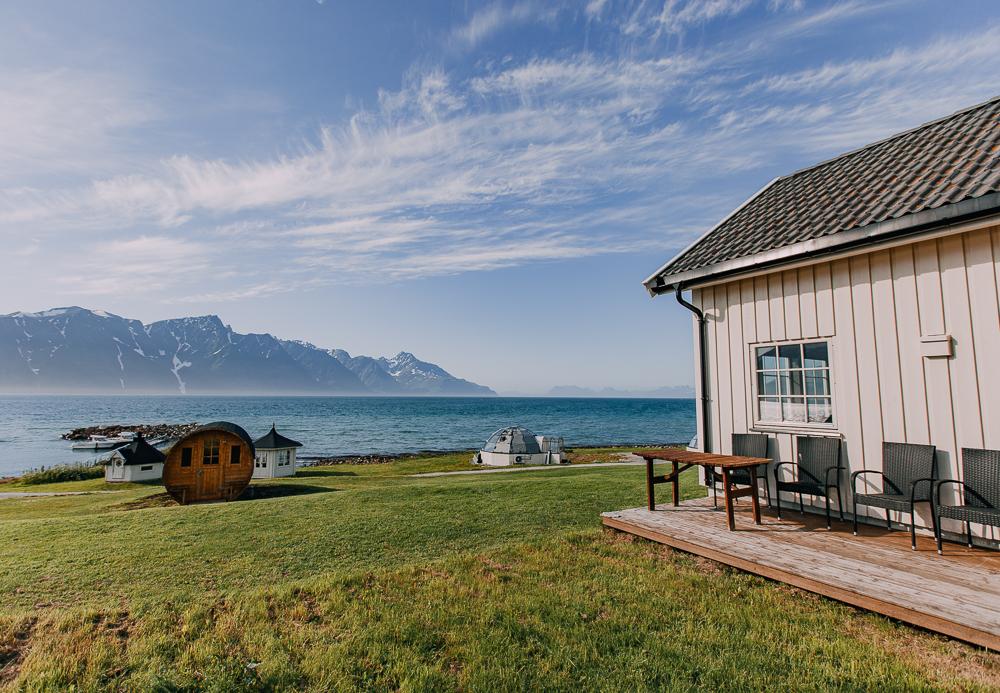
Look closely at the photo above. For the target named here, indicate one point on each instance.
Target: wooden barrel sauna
(211, 463)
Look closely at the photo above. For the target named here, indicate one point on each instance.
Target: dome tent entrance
(518, 445)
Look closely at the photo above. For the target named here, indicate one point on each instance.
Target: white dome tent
(517, 445)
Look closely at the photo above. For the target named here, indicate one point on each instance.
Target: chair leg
(802, 508)
(854, 505)
(715, 492)
(937, 535)
(968, 534)
(840, 504)
(913, 529)
(767, 490)
(828, 525)
(888, 519)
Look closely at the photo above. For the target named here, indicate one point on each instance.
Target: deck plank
(957, 594)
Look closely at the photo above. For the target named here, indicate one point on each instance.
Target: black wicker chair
(980, 493)
(908, 475)
(817, 459)
(750, 445)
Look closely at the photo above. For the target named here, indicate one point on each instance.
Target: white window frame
(791, 426)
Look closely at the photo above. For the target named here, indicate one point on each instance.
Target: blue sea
(30, 426)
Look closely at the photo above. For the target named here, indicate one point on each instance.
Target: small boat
(98, 442)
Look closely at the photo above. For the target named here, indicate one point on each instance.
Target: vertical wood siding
(873, 308)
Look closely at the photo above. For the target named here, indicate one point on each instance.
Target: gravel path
(507, 470)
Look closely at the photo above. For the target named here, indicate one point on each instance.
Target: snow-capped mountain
(69, 350)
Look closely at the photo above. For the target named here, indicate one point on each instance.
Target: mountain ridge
(74, 350)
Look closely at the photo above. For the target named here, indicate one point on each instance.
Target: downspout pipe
(706, 442)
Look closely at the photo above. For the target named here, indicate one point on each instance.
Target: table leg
(650, 494)
(754, 499)
(677, 486)
(728, 499)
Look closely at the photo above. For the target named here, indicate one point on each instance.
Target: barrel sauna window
(234, 454)
(211, 452)
(186, 457)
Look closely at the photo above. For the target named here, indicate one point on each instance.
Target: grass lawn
(365, 577)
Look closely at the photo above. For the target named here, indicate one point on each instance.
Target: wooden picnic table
(683, 460)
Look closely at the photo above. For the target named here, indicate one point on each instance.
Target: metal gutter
(706, 444)
(910, 224)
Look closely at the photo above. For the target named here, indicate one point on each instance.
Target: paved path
(506, 470)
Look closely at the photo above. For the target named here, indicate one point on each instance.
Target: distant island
(76, 350)
(666, 392)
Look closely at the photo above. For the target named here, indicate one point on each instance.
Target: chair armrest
(855, 475)
(778, 466)
(913, 489)
(942, 482)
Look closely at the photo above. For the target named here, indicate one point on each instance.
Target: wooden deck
(957, 594)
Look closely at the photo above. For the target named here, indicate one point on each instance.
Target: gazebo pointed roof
(275, 441)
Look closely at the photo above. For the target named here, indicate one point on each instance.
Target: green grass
(369, 578)
(61, 472)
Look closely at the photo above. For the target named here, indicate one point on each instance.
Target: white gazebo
(275, 455)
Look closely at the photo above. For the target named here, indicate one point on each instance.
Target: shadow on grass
(320, 472)
(255, 492)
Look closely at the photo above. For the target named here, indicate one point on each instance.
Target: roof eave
(922, 221)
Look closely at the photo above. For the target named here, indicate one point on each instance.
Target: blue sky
(482, 183)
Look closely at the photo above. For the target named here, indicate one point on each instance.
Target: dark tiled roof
(140, 452)
(274, 441)
(939, 163)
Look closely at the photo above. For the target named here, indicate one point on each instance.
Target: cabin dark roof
(275, 441)
(140, 452)
(947, 162)
(223, 426)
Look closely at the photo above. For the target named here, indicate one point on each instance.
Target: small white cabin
(137, 461)
(275, 456)
(517, 445)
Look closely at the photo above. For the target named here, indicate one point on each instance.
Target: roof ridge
(890, 138)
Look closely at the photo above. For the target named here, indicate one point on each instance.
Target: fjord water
(30, 426)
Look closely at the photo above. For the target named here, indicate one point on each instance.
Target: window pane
(766, 358)
(770, 409)
(820, 410)
(790, 356)
(767, 384)
(791, 383)
(817, 382)
(816, 355)
(185, 457)
(793, 409)
(234, 454)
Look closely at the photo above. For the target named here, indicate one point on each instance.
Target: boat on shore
(99, 442)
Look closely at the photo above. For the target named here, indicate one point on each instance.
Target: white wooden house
(137, 461)
(275, 455)
(857, 298)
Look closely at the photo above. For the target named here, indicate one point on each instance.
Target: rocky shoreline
(161, 430)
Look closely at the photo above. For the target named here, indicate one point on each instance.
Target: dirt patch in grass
(156, 500)
(13, 647)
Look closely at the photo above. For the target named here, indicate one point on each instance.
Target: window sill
(819, 429)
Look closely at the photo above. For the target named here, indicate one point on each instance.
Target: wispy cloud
(486, 22)
(529, 160)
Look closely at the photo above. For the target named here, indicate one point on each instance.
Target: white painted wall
(873, 308)
(269, 464)
(118, 472)
(498, 459)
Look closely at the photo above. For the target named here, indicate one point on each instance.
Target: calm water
(30, 426)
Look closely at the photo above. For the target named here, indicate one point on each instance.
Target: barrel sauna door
(209, 483)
